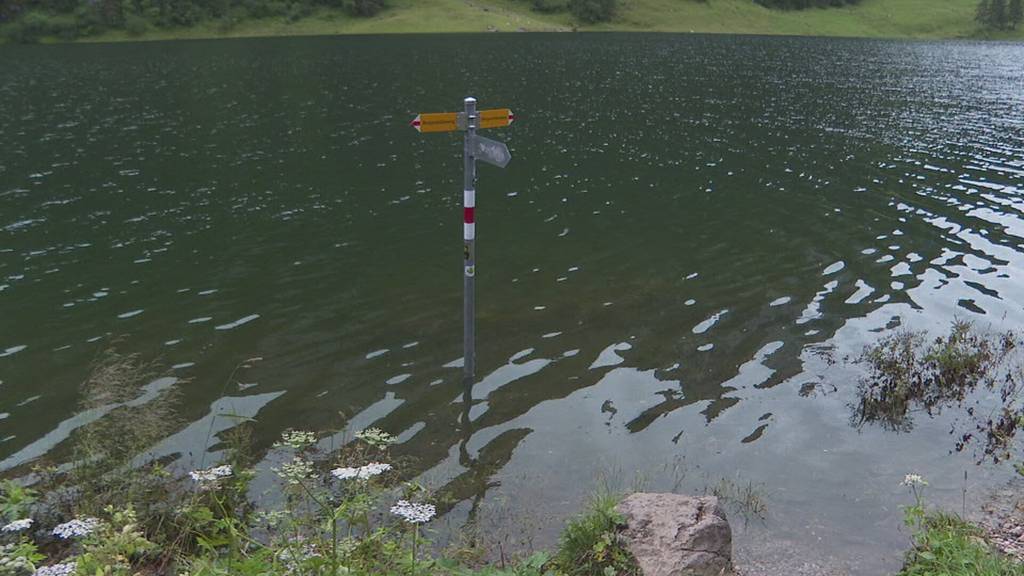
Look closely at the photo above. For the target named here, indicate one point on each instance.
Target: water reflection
(699, 230)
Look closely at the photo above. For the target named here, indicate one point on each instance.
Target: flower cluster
(913, 480)
(413, 512)
(296, 471)
(376, 437)
(17, 525)
(62, 569)
(297, 439)
(212, 474)
(296, 553)
(363, 472)
(75, 528)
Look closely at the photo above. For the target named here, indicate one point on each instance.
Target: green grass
(948, 546)
(872, 18)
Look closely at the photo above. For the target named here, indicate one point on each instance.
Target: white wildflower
(414, 512)
(18, 525)
(212, 474)
(62, 569)
(297, 439)
(297, 552)
(296, 471)
(363, 472)
(75, 528)
(913, 480)
(376, 437)
(271, 517)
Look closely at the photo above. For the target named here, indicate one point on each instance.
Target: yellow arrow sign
(495, 118)
(452, 121)
(438, 122)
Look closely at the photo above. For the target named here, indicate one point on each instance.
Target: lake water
(693, 234)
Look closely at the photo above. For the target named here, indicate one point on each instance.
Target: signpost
(474, 148)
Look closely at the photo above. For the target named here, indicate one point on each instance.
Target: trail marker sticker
(474, 148)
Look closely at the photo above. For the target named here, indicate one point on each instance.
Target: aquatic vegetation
(744, 497)
(907, 373)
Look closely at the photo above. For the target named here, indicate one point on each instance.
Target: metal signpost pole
(469, 249)
(490, 152)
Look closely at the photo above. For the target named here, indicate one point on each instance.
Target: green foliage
(15, 500)
(804, 4)
(135, 25)
(115, 546)
(945, 544)
(535, 565)
(593, 11)
(999, 14)
(549, 6)
(590, 544)
(109, 465)
(19, 559)
(1015, 13)
(364, 8)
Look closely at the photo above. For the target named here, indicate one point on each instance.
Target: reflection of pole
(469, 249)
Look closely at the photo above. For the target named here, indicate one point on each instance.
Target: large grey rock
(676, 535)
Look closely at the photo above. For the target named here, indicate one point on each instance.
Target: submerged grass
(907, 372)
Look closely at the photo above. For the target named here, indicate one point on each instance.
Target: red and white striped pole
(469, 249)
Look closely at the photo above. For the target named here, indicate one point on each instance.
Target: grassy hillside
(871, 18)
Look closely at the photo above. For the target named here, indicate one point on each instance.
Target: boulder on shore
(677, 535)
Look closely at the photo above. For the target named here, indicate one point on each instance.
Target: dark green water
(692, 229)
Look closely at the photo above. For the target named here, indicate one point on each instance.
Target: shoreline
(870, 19)
(123, 38)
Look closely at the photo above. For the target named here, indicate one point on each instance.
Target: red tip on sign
(511, 118)
(416, 122)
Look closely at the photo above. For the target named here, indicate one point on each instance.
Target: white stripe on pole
(469, 198)
(469, 231)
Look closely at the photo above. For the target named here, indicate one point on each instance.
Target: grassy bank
(922, 19)
(114, 509)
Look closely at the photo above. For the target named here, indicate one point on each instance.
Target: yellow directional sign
(439, 122)
(452, 121)
(496, 118)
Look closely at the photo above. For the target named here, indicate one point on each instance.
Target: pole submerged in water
(469, 248)
(474, 148)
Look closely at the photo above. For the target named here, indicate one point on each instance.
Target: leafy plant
(19, 559)
(115, 546)
(590, 544)
(15, 500)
